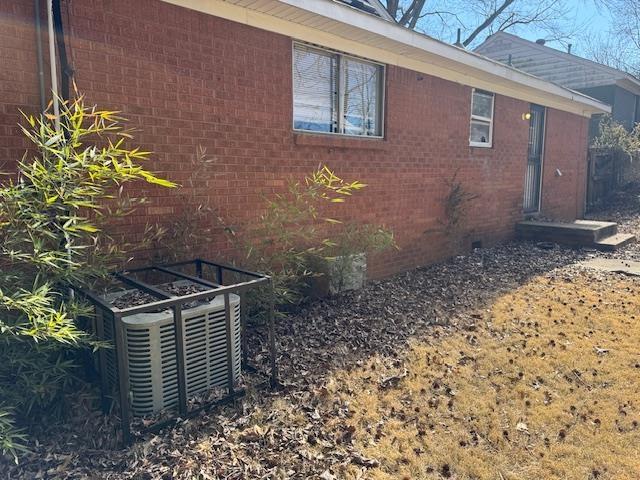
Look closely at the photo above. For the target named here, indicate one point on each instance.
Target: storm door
(535, 154)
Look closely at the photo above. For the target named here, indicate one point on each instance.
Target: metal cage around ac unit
(150, 344)
(176, 346)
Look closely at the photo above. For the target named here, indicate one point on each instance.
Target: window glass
(361, 97)
(314, 90)
(481, 127)
(335, 93)
(482, 105)
(480, 132)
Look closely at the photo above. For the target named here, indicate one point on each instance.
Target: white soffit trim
(332, 25)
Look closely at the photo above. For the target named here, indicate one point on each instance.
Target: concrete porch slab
(613, 265)
(576, 233)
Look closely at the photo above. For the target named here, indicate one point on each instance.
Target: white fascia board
(401, 47)
(627, 84)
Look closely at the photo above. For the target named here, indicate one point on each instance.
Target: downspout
(53, 64)
(66, 72)
(56, 99)
(36, 9)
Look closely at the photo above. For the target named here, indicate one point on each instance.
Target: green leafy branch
(53, 213)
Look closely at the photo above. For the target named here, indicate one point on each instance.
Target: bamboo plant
(53, 212)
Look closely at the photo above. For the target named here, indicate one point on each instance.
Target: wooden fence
(604, 174)
(608, 170)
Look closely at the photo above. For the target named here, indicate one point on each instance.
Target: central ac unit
(150, 343)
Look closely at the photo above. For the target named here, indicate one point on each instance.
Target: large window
(335, 93)
(481, 131)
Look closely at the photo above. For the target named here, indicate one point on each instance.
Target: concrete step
(600, 229)
(614, 242)
(578, 233)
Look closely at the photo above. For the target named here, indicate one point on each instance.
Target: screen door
(533, 175)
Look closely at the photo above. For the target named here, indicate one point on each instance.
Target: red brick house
(272, 88)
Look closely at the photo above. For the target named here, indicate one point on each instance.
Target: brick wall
(18, 76)
(185, 79)
(564, 178)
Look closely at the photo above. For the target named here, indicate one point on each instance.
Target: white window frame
(340, 82)
(479, 118)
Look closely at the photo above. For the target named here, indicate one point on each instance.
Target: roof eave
(366, 35)
(623, 76)
(631, 84)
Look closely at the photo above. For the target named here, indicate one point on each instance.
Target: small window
(334, 93)
(481, 131)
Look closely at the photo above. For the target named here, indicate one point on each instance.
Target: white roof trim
(334, 25)
(633, 87)
(377, 5)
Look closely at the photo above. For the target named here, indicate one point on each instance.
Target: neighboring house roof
(554, 65)
(335, 25)
(374, 7)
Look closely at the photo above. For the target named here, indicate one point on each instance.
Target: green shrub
(354, 238)
(51, 218)
(294, 231)
(613, 135)
(12, 439)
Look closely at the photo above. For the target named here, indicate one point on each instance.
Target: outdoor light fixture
(526, 116)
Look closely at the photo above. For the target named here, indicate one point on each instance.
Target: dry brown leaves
(308, 430)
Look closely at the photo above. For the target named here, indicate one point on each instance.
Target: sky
(588, 20)
(583, 20)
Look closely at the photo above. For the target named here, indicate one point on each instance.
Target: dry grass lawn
(545, 385)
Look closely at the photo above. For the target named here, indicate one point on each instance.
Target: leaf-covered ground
(545, 384)
(509, 363)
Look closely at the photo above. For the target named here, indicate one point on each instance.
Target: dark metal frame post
(229, 329)
(180, 359)
(123, 379)
(102, 362)
(102, 307)
(243, 331)
(272, 336)
(198, 279)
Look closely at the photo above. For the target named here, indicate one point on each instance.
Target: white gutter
(337, 26)
(456, 54)
(53, 64)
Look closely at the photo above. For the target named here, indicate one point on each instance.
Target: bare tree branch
(488, 21)
(620, 47)
(441, 18)
(418, 6)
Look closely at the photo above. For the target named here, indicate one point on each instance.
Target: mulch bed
(282, 434)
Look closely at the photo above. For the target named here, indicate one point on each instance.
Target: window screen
(335, 93)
